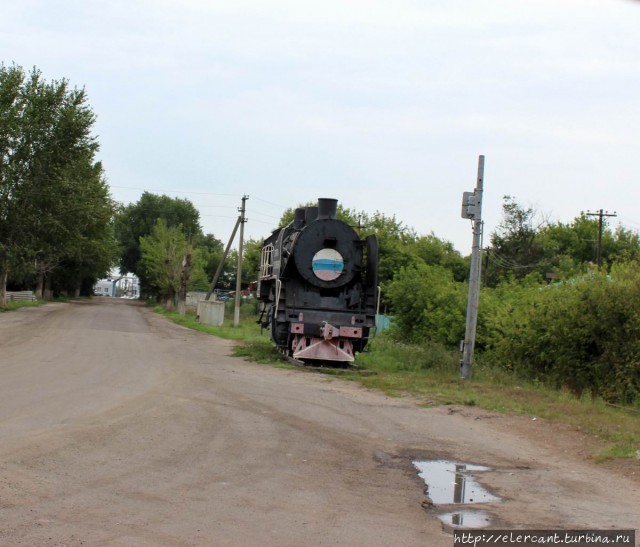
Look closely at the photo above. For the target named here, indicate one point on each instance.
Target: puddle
(450, 482)
(466, 519)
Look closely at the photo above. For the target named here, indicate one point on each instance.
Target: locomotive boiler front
(318, 286)
(327, 253)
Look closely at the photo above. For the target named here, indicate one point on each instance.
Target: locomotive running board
(310, 347)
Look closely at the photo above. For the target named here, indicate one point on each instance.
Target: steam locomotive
(317, 286)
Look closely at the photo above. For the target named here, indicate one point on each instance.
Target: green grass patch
(247, 330)
(10, 306)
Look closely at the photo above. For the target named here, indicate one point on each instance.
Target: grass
(10, 306)
(248, 330)
(431, 373)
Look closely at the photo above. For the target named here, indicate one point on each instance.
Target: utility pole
(241, 220)
(224, 257)
(472, 209)
(600, 214)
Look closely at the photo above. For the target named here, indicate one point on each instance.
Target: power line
(172, 191)
(508, 263)
(270, 202)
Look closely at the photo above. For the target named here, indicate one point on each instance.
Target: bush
(582, 334)
(428, 305)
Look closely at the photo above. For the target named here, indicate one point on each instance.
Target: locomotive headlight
(327, 264)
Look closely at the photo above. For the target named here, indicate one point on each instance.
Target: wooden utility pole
(472, 209)
(600, 214)
(224, 257)
(241, 220)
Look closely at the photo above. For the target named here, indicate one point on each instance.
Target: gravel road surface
(118, 427)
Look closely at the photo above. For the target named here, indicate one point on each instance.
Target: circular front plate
(327, 264)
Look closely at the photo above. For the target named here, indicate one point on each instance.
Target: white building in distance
(117, 285)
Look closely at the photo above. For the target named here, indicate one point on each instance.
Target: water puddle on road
(466, 519)
(451, 482)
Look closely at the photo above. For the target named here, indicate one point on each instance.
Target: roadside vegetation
(10, 306)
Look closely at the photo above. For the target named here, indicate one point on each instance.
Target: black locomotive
(317, 286)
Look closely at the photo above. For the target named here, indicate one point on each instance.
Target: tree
(437, 252)
(11, 107)
(576, 240)
(46, 172)
(515, 249)
(163, 258)
(251, 260)
(211, 250)
(626, 247)
(395, 242)
(137, 220)
(93, 250)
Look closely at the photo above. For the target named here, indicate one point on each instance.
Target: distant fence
(15, 296)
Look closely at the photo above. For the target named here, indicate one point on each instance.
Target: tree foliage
(137, 220)
(521, 245)
(54, 206)
(515, 249)
(166, 261)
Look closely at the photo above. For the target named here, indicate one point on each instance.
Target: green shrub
(428, 305)
(582, 334)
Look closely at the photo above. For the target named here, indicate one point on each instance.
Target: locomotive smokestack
(327, 208)
(298, 220)
(310, 214)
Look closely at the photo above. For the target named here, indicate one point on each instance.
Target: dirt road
(120, 428)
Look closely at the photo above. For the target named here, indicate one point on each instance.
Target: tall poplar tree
(49, 179)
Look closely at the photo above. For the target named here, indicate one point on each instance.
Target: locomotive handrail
(278, 289)
(266, 261)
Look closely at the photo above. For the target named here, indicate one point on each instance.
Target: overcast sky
(383, 104)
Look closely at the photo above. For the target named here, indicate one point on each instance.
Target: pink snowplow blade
(310, 347)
